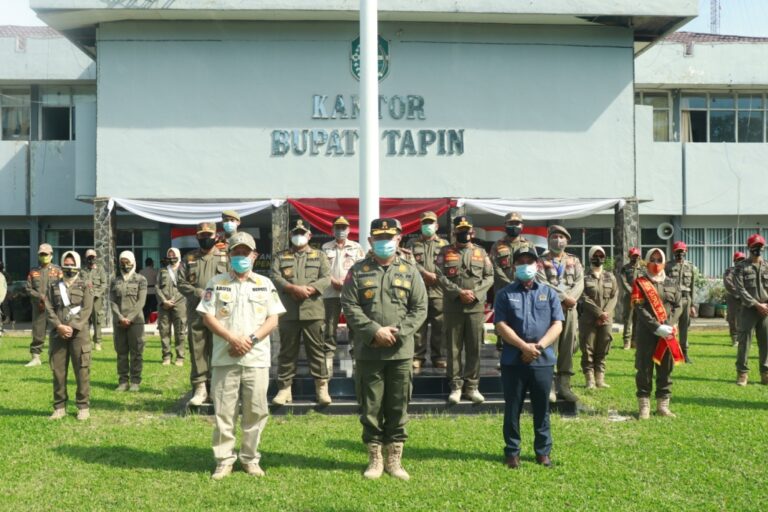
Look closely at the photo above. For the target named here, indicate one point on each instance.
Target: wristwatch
(253, 338)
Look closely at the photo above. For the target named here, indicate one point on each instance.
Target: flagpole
(369, 110)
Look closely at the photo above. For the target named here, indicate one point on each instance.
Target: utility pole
(714, 16)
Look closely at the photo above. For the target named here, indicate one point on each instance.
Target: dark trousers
(436, 340)
(646, 346)
(39, 329)
(129, 345)
(383, 390)
(200, 347)
(516, 381)
(76, 351)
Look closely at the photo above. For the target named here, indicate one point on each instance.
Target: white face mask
(341, 234)
(299, 240)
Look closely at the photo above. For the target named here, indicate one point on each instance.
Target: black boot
(685, 354)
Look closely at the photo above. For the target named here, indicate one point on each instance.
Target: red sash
(643, 288)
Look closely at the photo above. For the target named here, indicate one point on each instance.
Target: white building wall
(187, 110)
(13, 177)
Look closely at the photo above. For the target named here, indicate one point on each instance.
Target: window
(662, 120)
(584, 238)
(144, 243)
(14, 251)
(14, 110)
(62, 240)
(723, 117)
(711, 249)
(649, 238)
(57, 113)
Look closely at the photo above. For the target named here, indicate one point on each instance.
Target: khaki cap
(554, 228)
(45, 249)
(428, 216)
(206, 227)
(513, 217)
(231, 213)
(241, 238)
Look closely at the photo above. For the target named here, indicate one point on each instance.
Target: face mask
(384, 248)
(241, 264)
(513, 231)
(299, 240)
(90, 260)
(655, 268)
(526, 272)
(341, 234)
(173, 261)
(756, 250)
(206, 243)
(44, 258)
(126, 268)
(428, 229)
(557, 245)
(597, 262)
(463, 236)
(633, 259)
(229, 227)
(679, 256)
(70, 272)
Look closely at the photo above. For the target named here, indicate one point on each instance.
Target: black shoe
(688, 359)
(544, 460)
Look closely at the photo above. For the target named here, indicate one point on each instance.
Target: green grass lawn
(136, 454)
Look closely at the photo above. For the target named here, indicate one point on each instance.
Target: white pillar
(369, 124)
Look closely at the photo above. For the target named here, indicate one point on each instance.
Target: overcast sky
(737, 17)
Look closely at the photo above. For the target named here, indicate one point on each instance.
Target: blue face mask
(525, 272)
(241, 264)
(230, 227)
(384, 248)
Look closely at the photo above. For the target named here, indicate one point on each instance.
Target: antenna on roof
(714, 16)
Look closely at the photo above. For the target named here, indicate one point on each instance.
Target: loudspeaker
(665, 230)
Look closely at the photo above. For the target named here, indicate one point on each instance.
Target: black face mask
(597, 262)
(756, 250)
(173, 261)
(513, 231)
(126, 268)
(463, 236)
(206, 243)
(70, 272)
(679, 256)
(90, 260)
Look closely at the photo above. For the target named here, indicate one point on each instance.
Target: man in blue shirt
(529, 318)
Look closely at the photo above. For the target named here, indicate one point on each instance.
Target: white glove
(663, 331)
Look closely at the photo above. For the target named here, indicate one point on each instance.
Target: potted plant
(717, 296)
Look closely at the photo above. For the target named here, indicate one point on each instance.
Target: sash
(644, 288)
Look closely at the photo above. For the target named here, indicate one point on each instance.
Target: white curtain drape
(189, 213)
(540, 209)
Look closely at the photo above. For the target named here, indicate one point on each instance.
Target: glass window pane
(696, 122)
(56, 124)
(722, 101)
(59, 238)
(151, 238)
(657, 100)
(696, 256)
(84, 238)
(661, 125)
(597, 236)
(694, 101)
(637, 98)
(750, 101)
(124, 238)
(17, 263)
(722, 126)
(719, 258)
(15, 123)
(138, 238)
(577, 236)
(692, 236)
(751, 126)
(17, 237)
(649, 238)
(55, 96)
(719, 236)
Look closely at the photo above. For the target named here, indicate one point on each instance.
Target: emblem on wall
(354, 58)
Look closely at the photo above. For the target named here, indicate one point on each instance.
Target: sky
(737, 17)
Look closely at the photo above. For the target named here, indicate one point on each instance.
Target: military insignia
(452, 271)
(401, 293)
(398, 282)
(452, 256)
(368, 294)
(369, 282)
(543, 297)
(366, 268)
(208, 295)
(407, 284)
(224, 311)
(402, 268)
(288, 272)
(225, 297)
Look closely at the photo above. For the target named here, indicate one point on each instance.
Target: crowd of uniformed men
(400, 303)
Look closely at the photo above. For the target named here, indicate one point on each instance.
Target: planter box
(706, 310)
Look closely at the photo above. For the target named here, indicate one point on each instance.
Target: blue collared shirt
(529, 312)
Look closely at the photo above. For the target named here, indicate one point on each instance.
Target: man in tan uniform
(95, 275)
(564, 273)
(751, 279)
(425, 250)
(466, 274)
(38, 280)
(683, 271)
(627, 275)
(200, 266)
(732, 299)
(342, 253)
(596, 318)
(301, 275)
(172, 308)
